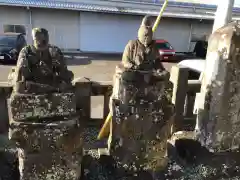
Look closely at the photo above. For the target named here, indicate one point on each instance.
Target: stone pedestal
(24, 107)
(142, 121)
(218, 103)
(49, 165)
(48, 148)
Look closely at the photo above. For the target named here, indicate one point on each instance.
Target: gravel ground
(192, 162)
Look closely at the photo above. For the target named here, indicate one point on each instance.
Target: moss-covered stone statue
(142, 53)
(41, 67)
(141, 108)
(42, 114)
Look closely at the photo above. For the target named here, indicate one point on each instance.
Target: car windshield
(7, 40)
(164, 45)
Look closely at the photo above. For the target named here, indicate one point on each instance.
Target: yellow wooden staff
(159, 16)
(106, 126)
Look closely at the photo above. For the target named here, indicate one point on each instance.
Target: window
(164, 45)
(8, 40)
(14, 28)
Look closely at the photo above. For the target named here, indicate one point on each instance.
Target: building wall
(63, 26)
(111, 32)
(200, 28)
(176, 32)
(14, 16)
(107, 32)
(100, 32)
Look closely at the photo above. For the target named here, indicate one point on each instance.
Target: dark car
(10, 46)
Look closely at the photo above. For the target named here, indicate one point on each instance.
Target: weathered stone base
(29, 108)
(141, 143)
(49, 165)
(141, 123)
(35, 137)
(48, 150)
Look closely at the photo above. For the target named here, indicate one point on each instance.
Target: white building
(106, 26)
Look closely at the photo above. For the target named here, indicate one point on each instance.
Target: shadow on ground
(83, 59)
(8, 63)
(79, 61)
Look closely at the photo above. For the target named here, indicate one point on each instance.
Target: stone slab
(218, 123)
(24, 107)
(49, 165)
(61, 136)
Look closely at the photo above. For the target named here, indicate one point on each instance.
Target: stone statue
(142, 54)
(41, 67)
(142, 112)
(42, 114)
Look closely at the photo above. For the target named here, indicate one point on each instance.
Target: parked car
(166, 51)
(10, 46)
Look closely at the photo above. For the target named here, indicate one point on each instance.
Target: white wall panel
(63, 26)
(14, 16)
(201, 28)
(176, 32)
(99, 32)
(107, 32)
(110, 33)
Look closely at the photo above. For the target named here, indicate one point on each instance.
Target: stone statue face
(145, 35)
(40, 41)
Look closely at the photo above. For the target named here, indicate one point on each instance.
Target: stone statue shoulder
(29, 52)
(133, 46)
(132, 43)
(26, 50)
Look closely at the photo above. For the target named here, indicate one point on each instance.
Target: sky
(237, 2)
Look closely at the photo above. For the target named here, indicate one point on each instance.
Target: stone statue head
(145, 33)
(40, 38)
